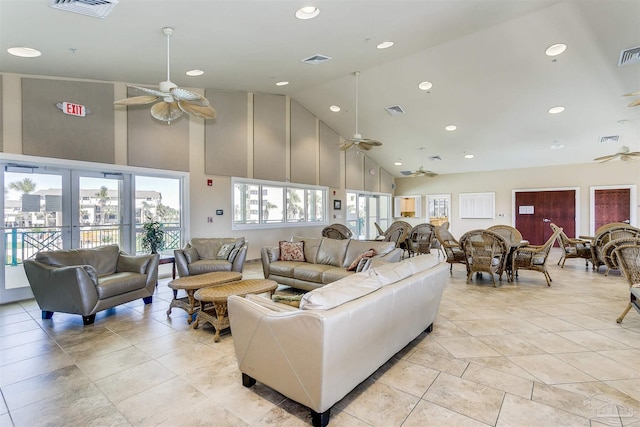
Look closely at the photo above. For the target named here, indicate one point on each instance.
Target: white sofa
(342, 333)
(326, 260)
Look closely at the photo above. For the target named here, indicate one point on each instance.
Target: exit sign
(73, 109)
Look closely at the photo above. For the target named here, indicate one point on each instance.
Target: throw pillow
(233, 254)
(291, 251)
(225, 250)
(368, 254)
(191, 254)
(292, 300)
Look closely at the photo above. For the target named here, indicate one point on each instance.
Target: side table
(215, 312)
(190, 284)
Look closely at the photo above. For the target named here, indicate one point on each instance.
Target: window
(365, 210)
(259, 203)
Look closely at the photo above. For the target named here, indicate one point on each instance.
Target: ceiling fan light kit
(173, 101)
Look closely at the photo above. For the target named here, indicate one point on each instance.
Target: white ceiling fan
(357, 140)
(421, 171)
(173, 101)
(623, 154)
(637, 101)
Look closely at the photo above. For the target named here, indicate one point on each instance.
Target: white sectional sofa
(341, 334)
(326, 260)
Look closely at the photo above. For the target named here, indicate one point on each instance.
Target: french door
(364, 210)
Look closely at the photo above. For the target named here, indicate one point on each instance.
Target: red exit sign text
(74, 109)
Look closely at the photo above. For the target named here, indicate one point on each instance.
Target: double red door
(536, 210)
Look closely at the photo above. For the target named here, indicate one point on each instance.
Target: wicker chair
(628, 257)
(606, 234)
(420, 239)
(337, 231)
(510, 234)
(572, 248)
(398, 232)
(534, 257)
(608, 251)
(485, 251)
(450, 246)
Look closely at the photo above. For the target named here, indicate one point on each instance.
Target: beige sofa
(85, 281)
(326, 260)
(203, 255)
(342, 333)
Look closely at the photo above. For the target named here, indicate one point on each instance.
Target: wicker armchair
(534, 257)
(572, 248)
(420, 239)
(450, 246)
(398, 232)
(510, 234)
(606, 234)
(485, 251)
(609, 251)
(628, 257)
(337, 231)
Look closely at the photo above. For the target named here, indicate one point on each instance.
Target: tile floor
(522, 354)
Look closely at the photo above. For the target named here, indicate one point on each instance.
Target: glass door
(35, 219)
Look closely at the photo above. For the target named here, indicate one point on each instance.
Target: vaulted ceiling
(485, 58)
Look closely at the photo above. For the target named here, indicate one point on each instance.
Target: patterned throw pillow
(291, 251)
(233, 254)
(225, 250)
(369, 254)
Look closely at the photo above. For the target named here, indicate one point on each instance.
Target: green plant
(152, 236)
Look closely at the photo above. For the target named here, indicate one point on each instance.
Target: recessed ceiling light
(556, 110)
(468, 156)
(334, 108)
(307, 12)
(557, 146)
(385, 45)
(24, 52)
(194, 73)
(555, 49)
(451, 128)
(398, 162)
(282, 83)
(425, 85)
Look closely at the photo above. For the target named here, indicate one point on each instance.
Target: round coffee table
(190, 284)
(213, 301)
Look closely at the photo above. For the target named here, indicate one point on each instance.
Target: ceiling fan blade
(364, 146)
(632, 93)
(605, 158)
(166, 111)
(405, 173)
(371, 142)
(346, 146)
(137, 100)
(635, 103)
(202, 111)
(151, 91)
(186, 95)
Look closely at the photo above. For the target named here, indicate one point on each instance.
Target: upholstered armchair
(205, 255)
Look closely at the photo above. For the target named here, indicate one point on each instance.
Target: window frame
(285, 186)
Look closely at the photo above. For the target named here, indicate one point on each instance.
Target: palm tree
(103, 199)
(265, 209)
(25, 186)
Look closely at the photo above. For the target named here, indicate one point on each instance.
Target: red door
(536, 210)
(611, 205)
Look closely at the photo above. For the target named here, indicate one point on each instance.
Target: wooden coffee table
(190, 284)
(213, 301)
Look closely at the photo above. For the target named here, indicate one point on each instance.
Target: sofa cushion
(104, 258)
(340, 292)
(208, 266)
(334, 274)
(120, 283)
(225, 250)
(332, 251)
(233, 254)
(132, 264)
(284, 268)
(368, 254)
(310, 272)
(311, 246)
(291, 251)
(191, 254)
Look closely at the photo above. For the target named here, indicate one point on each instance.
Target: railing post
(14, 247)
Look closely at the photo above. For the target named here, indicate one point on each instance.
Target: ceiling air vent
(629, 56)
(394, 110)
(316, 59)
(95, 8)
(612, 138)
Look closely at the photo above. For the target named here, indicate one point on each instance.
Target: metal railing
(21, 244)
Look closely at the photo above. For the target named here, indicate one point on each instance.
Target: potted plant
(152, 236)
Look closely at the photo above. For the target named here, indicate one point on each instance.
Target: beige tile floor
(521, 354)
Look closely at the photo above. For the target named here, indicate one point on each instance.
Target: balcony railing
(21, 244)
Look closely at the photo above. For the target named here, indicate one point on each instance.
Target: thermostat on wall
(219, 212)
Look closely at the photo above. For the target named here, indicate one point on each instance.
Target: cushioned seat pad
(285, 268)
(120, 283)
(208, 266)
(310, 272)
